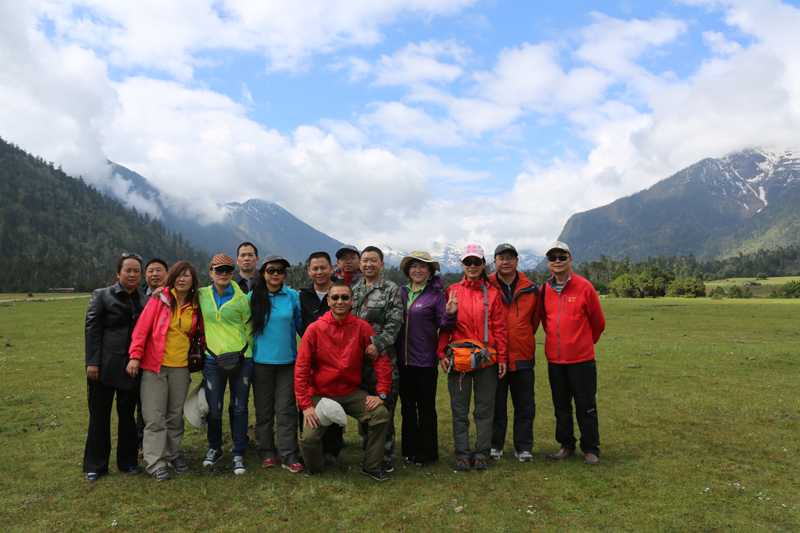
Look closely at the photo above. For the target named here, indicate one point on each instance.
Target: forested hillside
(56, 231)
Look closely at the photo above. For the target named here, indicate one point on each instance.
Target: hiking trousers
(461, 385)
(577, 381)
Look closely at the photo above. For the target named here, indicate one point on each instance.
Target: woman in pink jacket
(160, 348)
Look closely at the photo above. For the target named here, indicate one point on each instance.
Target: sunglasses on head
(560, 257)
(274, 270)
(129, 255)
(472, 262)
(335, 297)
(224, 269)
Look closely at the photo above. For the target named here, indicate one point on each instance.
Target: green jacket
(382, 307)
(227, 328)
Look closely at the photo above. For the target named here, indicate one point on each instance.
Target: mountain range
(715, 208)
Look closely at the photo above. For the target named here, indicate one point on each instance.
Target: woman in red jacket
(160, 347)
(474, 315)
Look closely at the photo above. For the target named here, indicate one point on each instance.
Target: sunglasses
(472, 262)
(554, 258)
(128, 255)
(273, 270)
(335, 297)
(224, 269)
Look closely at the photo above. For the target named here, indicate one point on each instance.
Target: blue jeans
(240, 396)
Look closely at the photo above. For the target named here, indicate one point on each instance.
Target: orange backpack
(466, 355)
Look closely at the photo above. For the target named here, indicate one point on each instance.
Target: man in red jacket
(520, 297)
(329, 366)
(573, 322)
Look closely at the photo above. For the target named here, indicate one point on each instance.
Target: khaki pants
(354, 404)
(162, 408)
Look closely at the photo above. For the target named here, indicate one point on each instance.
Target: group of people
(365, 344)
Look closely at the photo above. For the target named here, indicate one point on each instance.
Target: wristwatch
(382, 396)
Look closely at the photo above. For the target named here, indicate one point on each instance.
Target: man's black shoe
(307, 472)
(387, 466)
(377, 476)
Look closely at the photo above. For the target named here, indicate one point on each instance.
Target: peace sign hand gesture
(452, 303)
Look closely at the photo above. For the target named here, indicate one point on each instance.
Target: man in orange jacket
(520, 297)
(573, 322)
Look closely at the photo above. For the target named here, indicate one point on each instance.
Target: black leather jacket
(109, 324)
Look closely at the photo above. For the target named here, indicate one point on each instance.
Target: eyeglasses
(128, 255)
(472, 262)
(504, 258)
(335, 297)
(224, 269)
(554, 258)
(273, 270)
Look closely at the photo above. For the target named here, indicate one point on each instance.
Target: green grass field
(698, 410)
(758, 292)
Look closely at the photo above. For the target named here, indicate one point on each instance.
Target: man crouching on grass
(329, 366)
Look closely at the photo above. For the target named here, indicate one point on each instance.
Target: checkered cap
(222, 260)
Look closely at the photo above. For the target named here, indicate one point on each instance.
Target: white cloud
(417, 63)
(719, 44)
(403, 123)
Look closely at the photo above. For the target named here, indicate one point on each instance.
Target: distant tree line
(57, 231)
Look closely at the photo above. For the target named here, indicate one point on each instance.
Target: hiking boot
(161, 474)
(591, 459)
(464, 465)
(524, 456)
(495, 454)
(179, 465)
(238, 465)
(480, 464)
(387, 466)
(212, 457)
(377, 476)
(269, 462)
(293, 468)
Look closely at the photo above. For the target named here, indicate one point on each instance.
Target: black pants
(139, 422)
(332, 442)
(521, 383)
(419, 430)
(98, 441)
(577, 381)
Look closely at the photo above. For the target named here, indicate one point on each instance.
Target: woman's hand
(443, 363)
(452, 303)
(93, 372)
(501, 369)
(133, 367)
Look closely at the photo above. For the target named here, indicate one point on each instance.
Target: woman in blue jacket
(425, 311)
(277, 320)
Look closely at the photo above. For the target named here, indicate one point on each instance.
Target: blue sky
(399, 123)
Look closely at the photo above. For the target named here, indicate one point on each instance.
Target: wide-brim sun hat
(195, 407)
(330, 412)
(419, 255)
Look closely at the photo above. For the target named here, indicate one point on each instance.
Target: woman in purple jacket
(426, 310)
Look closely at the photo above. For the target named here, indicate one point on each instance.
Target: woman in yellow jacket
(226, 317)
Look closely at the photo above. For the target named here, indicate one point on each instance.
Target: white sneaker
(238, 465)
(524, 456)
(495, 454)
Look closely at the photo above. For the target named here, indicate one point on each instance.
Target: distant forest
(57, 231)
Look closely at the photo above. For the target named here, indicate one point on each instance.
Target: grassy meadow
(698, 410)
(758, 292)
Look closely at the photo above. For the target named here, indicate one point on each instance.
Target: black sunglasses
(224, 269)
(554, 258)
(128, 255)
(273, 270)
(472, 262)
(335, 297)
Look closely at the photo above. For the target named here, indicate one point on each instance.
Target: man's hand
(93, 372)
(133, 367)
(310, 418)
(452, 303)
(372, 352)
(501, 369)
(373, 402)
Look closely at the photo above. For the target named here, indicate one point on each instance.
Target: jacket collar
(328, 317)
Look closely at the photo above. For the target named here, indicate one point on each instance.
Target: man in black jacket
(313, 301)
(247, 260)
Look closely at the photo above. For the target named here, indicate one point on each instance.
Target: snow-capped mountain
(449, 256)
(714, 208)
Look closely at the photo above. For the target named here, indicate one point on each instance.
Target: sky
(399, 122)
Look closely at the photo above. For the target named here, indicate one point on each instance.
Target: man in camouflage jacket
(377, 300)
